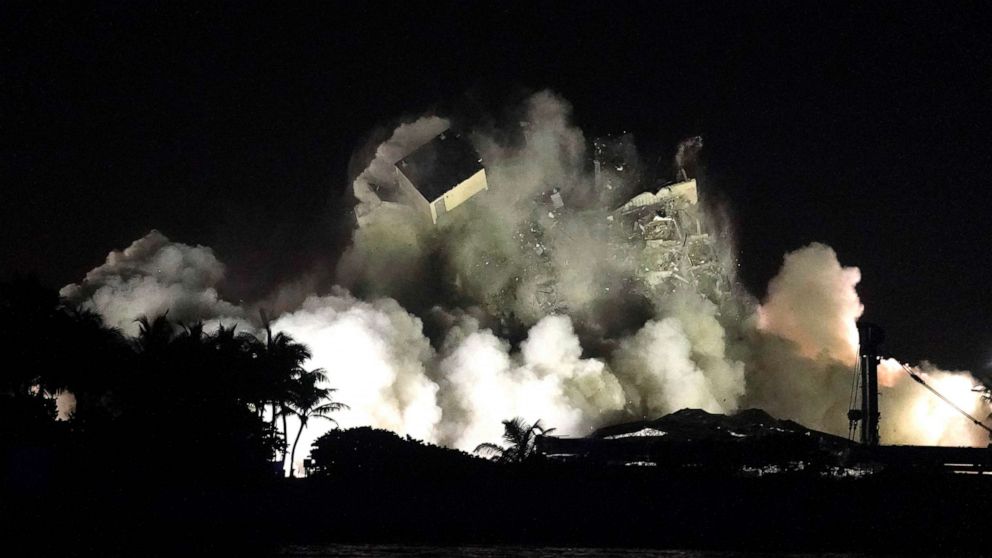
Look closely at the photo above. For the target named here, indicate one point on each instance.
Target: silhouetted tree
(521, 439)
(155, 334)
(369, 452)
(235, 355)
(308, 400)
(281, 360)
(188, 391)
(49, 347)
(174, 402)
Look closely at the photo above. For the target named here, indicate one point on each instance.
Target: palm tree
(193, 332)
(234, 356)
(282, 360)
(309, 400)
(521, 437)
(154, 335)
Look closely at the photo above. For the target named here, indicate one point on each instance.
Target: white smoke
(680, 361)
(548, 380)
(812, 302)
(375, 355)
(150, 277)
(911, 415)
(384, 368)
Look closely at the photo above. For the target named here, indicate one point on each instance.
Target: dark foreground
(532, 505)
(424, 551)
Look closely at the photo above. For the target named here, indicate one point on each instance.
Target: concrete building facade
(441, 175)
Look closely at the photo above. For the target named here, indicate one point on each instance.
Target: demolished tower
(676, 250)
(441, 174)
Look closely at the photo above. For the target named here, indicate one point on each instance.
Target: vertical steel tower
(870, 336)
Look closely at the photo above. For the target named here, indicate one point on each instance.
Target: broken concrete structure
(571, 242)
(676, 249)
(441, 174)
(659, 236)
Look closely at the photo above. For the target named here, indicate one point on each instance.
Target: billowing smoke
(377, 358)
(503, 251)
(804, 348)
(483, 383)
(549, 296)
(812, 302)
(680, 361)
(912, 418)
(150, 277)
(384, 367)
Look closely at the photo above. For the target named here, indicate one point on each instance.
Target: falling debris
(441, 174)
(615, 162)
(687, 156)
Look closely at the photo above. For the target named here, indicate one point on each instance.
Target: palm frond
(515, 431)
(541, 430)
(489, 449)
(329, 408)
(193, 330)
(521, 439)
(319, 374)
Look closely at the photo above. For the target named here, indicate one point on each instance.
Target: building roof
(440, 164)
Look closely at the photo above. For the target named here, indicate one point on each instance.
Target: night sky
(233, 127)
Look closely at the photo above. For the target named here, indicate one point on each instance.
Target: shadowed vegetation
(373, 453)
(521, 440)
(177, 402)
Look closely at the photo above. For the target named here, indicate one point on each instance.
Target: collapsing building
(676, 250)
(659, 236)
(441, 174)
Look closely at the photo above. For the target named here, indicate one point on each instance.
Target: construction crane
(870, 336)
(867, 416)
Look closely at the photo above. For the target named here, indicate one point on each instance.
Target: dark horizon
(866, 128)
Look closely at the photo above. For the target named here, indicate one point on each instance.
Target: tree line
(176, 398)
